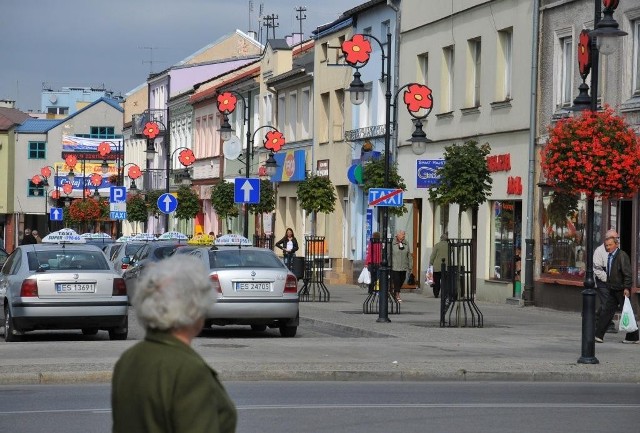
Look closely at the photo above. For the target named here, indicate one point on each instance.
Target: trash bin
(298, 267)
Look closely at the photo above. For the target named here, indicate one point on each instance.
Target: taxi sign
(234, 240)
(201, 239)
(173, 236)
(64, 236)
(144, 237)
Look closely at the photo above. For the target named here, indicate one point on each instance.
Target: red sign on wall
(499, 162)
(514, 185)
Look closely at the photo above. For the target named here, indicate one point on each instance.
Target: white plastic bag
(365, 276)
(627, 318)
(429, 276)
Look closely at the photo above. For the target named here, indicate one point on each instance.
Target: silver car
(253, 287)
(62, 286)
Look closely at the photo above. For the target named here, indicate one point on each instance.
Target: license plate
(251, 286)
(75, 288)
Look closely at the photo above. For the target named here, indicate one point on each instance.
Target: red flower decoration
(96, 179)
(71, 161)
(611, 3)
(584, 53)
(227, 102)
(274, 140)
(151, 130)
(134, 172)
(356, 50)
(88, 209)
(104, 148)
(36, 179)
(67, 188)
(418, 97)
(186, 157)
(55, 194)
(45, 171)
(594, 153)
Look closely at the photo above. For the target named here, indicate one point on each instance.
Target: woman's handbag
(627, 318)
(365, 276)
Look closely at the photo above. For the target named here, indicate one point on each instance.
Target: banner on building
(291, 166)
(426, 172)
(75, 144)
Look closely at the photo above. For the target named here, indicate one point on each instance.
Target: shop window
(505, 228)
(564, 235)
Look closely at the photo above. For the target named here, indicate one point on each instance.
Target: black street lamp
(43, 178)
(419, 102)
(226, 105)
(605, 33)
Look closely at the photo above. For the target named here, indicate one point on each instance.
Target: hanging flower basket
(595, 153)
(88, 209)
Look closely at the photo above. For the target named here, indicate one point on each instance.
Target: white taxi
(62, 283)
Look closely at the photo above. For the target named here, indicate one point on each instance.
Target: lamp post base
(383, 301)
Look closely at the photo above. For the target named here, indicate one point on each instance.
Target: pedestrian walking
(439, 255)
(401, 263)
(619, 282)
(600, 259)
(162, 384)
(289, 245)
(373, 259)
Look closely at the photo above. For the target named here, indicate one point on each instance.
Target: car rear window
(131, 249)
(243, 259)
(164, 252)
(68, 260)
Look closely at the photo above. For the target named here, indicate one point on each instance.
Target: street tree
(316, 194)
(222, 201)
(188, 203)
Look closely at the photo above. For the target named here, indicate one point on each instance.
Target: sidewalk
(336, 341)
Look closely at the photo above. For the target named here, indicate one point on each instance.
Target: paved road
(337, 342)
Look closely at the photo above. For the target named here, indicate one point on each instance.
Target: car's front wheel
(288, 331)
(120, 333)
(10, 332)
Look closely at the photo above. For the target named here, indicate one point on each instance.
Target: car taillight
(124, 266)
(29, 289)
(291, 286)
(119, 287)
(215, 282)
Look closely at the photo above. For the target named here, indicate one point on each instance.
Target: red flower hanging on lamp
(151, 130)
(36, 179)
(85, 210)
(227, 102)
(418, 97)
(67, 188)
(96, 179)
(71, 161)
(186, 157)
(595, 153)
(104, 148)
(274, 140)
(356, 50)
(45, 171)
(134, 172)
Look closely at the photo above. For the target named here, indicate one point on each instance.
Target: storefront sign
(514, 185)
(499, 162)
(322, 168)
(291, 166)
(426, 176)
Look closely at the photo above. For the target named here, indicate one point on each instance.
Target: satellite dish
(232, 148)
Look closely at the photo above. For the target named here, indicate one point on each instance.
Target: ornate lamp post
(605, 33)
(419, 102)
(274, 140)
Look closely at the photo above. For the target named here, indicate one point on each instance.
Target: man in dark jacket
(28, 238)
(619, 282)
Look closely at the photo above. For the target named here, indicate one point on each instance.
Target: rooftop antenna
(270, 21)
(301, 17)
(150, 61)
(250, 10)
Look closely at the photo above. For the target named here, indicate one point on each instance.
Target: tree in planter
(464, 180)
(267, 202)
(373, 177)
(222, 201)
(316, 194)
(188, 203)
(137, 210)
(151, 198)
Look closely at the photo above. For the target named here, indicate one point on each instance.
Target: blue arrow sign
(385, 197)
(167, 203)
(55, 214)
(246, 190)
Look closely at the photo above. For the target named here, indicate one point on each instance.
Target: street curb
(97, 377)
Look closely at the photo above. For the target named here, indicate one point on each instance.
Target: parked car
(253, 287)
(62, 284)
(126, 250)
(149, 252)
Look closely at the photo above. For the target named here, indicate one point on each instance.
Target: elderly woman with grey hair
(161, 384)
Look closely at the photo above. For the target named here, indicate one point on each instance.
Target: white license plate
(251, 286)
(75, 288)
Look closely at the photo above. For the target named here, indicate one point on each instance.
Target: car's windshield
(67, 259)
(238, 258)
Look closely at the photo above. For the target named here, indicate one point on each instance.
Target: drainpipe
(527, 293)
(394, 4)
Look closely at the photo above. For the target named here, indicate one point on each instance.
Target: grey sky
(88, 43)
